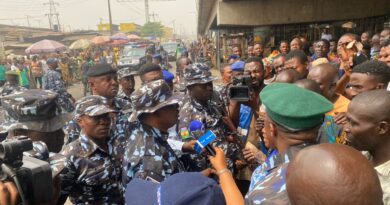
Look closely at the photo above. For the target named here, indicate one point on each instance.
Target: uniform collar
(88, 146)
(152, 131)
(120, 103)
(198, 105)
(286, 157)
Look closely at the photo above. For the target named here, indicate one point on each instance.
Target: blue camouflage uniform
(148, 154)
(94, 174)
(211, 116)
(55, 83)
(73, 129)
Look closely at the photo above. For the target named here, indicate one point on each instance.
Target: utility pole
(53, 12)
(154, 16)
(58, 21)
(28, 20)
(147, 15)
(109, 15)
(147, 11)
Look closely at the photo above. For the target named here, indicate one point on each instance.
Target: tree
(152, 29)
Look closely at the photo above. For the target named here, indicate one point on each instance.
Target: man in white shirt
(368, 129)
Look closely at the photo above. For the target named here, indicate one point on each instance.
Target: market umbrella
(118, 42)
(45, 46)
(119, 36)
(80, 44)
(133, 37)
(98, 40)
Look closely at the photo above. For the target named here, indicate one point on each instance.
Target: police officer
(102, 79)
(148, 154)
(93, 175)
(36, 114)
(158, 60)
(126, 80)
(200, 107)
(54, 82)
(293, 118)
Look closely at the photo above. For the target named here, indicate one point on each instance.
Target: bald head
(328, 174)
(308, 85)
(326, 76)
(287, 76)
(375, 104)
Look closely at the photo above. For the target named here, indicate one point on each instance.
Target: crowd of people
(311, 126)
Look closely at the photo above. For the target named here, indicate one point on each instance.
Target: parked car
(132, 56)
(171, 50)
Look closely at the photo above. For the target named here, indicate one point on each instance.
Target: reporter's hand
(219, 161)
(189, 146)
(207, 172)
(340, 118)
(9, 194)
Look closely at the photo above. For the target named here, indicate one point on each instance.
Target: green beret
(100, 69)
(293, 107)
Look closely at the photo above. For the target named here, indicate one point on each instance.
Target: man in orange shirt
(327, 76)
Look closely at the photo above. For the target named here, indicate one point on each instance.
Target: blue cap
(190, 188)
(233, 57)
(168, 76)
(52, 60)
(157, 56)
(238, 66)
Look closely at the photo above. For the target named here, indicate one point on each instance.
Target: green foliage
(152, 29)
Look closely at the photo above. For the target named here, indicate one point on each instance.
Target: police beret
(233, 57)
(168, 76)
(293, 107)
(100, 69)
(238, 66)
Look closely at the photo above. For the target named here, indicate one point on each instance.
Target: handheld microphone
(203, 141)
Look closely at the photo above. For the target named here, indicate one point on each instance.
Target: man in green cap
(292, 120)
(11, 84)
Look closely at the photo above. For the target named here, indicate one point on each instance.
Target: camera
(240, 88)
(32, 177)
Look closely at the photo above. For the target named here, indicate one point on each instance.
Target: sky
(86, 14)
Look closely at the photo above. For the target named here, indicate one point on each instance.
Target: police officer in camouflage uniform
(293, 118)
(201, 107)
(54, 82)
(93, 175)
(12, 83)
(148, 153)
(103, 81)
(126, 80)
(36, 114)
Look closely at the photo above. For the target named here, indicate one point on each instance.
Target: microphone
(203, 140)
